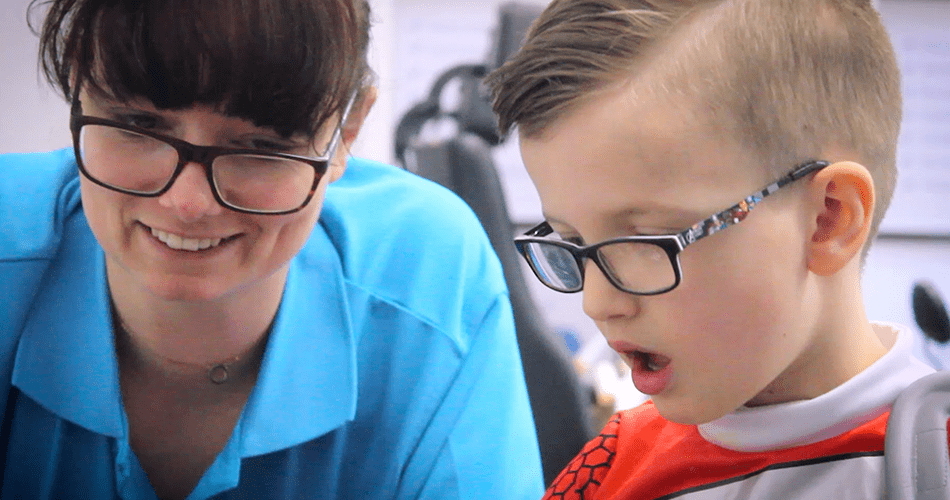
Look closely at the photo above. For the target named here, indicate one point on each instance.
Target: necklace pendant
(218, 373)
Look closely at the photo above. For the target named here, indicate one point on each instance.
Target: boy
(639, 118)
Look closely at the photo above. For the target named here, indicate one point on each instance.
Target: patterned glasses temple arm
(739, 211)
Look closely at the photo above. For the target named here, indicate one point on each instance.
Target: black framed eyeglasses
(139, 162)
(641, 265)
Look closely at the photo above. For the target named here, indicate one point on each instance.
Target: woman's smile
(179, 242)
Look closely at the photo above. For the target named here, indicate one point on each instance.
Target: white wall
(893, 267)
(33, 117)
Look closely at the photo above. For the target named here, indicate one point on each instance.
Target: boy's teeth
(656, 362)
(176, 242)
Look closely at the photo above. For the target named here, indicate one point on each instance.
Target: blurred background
(430, 55)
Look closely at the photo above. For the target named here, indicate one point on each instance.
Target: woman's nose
(190, 195)
(602, 300)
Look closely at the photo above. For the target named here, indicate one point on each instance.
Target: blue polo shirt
(391, 371)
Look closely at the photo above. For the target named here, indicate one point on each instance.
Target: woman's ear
(354, 123)
(842, 195)
(351, 130)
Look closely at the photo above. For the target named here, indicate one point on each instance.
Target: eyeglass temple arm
(338, 131)
(736, 213)
(541, 230)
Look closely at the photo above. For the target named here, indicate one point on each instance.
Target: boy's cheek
(729, 327)
(738, 294)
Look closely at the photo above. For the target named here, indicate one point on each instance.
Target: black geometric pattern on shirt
(589, 467)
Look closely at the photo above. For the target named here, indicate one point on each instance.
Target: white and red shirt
(831, 446)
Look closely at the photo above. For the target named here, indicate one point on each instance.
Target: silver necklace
(218, 373)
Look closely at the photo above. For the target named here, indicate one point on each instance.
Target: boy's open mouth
(648, 361)
(651, 372)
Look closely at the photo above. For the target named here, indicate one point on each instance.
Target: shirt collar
(66, 359)
(307, 385)
(859, 400)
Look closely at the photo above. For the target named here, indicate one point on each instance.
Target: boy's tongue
(651, 372)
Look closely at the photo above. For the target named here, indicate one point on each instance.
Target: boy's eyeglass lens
(144, 165)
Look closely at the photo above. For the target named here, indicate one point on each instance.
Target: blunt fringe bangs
(283, 64)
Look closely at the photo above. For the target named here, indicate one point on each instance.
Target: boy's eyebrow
(640, 211)
(553, 220)
(677, 216)
(625, 213)
(669, 211)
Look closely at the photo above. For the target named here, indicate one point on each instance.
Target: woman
(193, 312)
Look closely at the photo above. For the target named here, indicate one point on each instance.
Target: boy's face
(733, 329)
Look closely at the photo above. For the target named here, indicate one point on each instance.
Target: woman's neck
(141, 360)
(177, 336)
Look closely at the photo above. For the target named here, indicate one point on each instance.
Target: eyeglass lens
(143, 164)
(634, 266)
(555, 266)
(638, 267)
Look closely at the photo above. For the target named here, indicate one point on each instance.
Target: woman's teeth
(177, 242)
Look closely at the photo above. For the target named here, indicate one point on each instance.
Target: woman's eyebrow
(103, 99)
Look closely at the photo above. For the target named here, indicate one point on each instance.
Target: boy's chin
(691, 412)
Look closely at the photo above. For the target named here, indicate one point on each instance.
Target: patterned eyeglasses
(641, 265)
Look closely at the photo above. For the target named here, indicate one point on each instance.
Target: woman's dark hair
(284, 64)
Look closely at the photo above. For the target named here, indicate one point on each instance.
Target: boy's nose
(602, 300)
(190, 196)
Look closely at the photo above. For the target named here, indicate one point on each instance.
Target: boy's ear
(842, 195)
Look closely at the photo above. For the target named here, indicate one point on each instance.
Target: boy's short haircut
(283, 64)
(788, 78)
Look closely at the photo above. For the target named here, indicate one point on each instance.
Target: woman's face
(183, 245)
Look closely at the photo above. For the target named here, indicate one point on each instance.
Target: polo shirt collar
(66, 359)
(307, 385)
